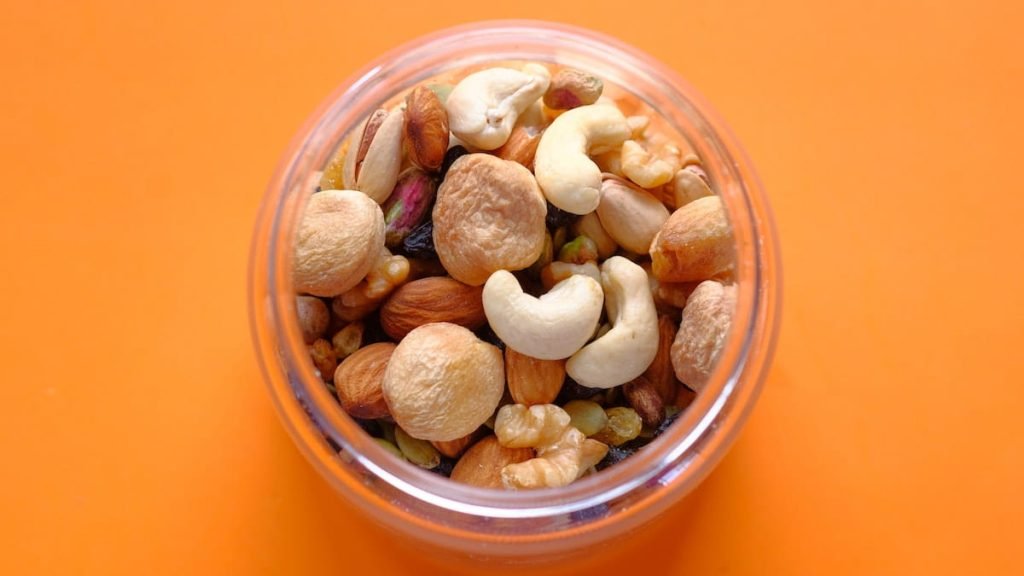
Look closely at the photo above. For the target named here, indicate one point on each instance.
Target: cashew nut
(551, 327)
(631, 216)
(483, 107)
(629, 347)
(568, 177)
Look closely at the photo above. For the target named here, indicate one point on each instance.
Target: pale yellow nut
(483, 107)
(520, 426)
(380, 168)
(442, 382)
(568, 177)
(647, 169)
(339, 238)
(703, 330)
(632, 217)
(556, 465)
(629, 347)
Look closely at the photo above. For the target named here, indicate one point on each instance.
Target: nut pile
(516, 278)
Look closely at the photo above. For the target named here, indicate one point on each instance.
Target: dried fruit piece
(339, 238)
(453, 154)
(644, 398)
(489, 216)
(695, 243)
(428, 300)
(586, 416)
(408, 206)
(624, 424)
(481, 465)
(571, 88)
(531, 380)
(348, 339)
(358, 381)
(313, 317)
(426, 128)
(442, 382)
(702, 332)
(323, 358)
(420, 241)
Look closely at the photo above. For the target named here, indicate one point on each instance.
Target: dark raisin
(453, 154)
(420, 242)
(371, 427)
(615, 455)
(557, 217)
(573, 390)
(487, 335)
(372, 331)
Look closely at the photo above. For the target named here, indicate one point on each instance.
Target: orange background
(135, 430)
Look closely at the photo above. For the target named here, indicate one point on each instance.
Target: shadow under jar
(528, 525)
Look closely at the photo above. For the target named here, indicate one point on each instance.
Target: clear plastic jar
(525, 525)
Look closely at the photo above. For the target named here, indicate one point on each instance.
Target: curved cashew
(631, 217)
(483, 107)
(568, 177)
(551, 327)
(629, 347)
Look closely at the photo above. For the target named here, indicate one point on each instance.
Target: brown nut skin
(339, 239)
(695, 243)
(442, 382)
(358, 381)
(313, 317)
(426, 128)
(489, 216)
(481, 465)
(646, 400)
(452, 448)
(702, 332)
(429, 300)
(660, 373)
(533, 381)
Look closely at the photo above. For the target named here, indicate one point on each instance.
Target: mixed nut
(508, 280)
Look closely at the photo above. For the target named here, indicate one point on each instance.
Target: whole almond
(426, 128)
(452, 448)
(358, 381)
(660, 373)
(521, 145)
(481, 465)
(533, 381)
(642, 396)
(434, 299)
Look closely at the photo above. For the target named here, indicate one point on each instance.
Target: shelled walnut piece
(568, 236)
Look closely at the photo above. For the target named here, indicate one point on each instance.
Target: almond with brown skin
(358, 381)
(660, 373)
(521, 146)
(426, 128)
(481, 465)
(642, 396)
(533, 381)
(434, 299)
(452, 448)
